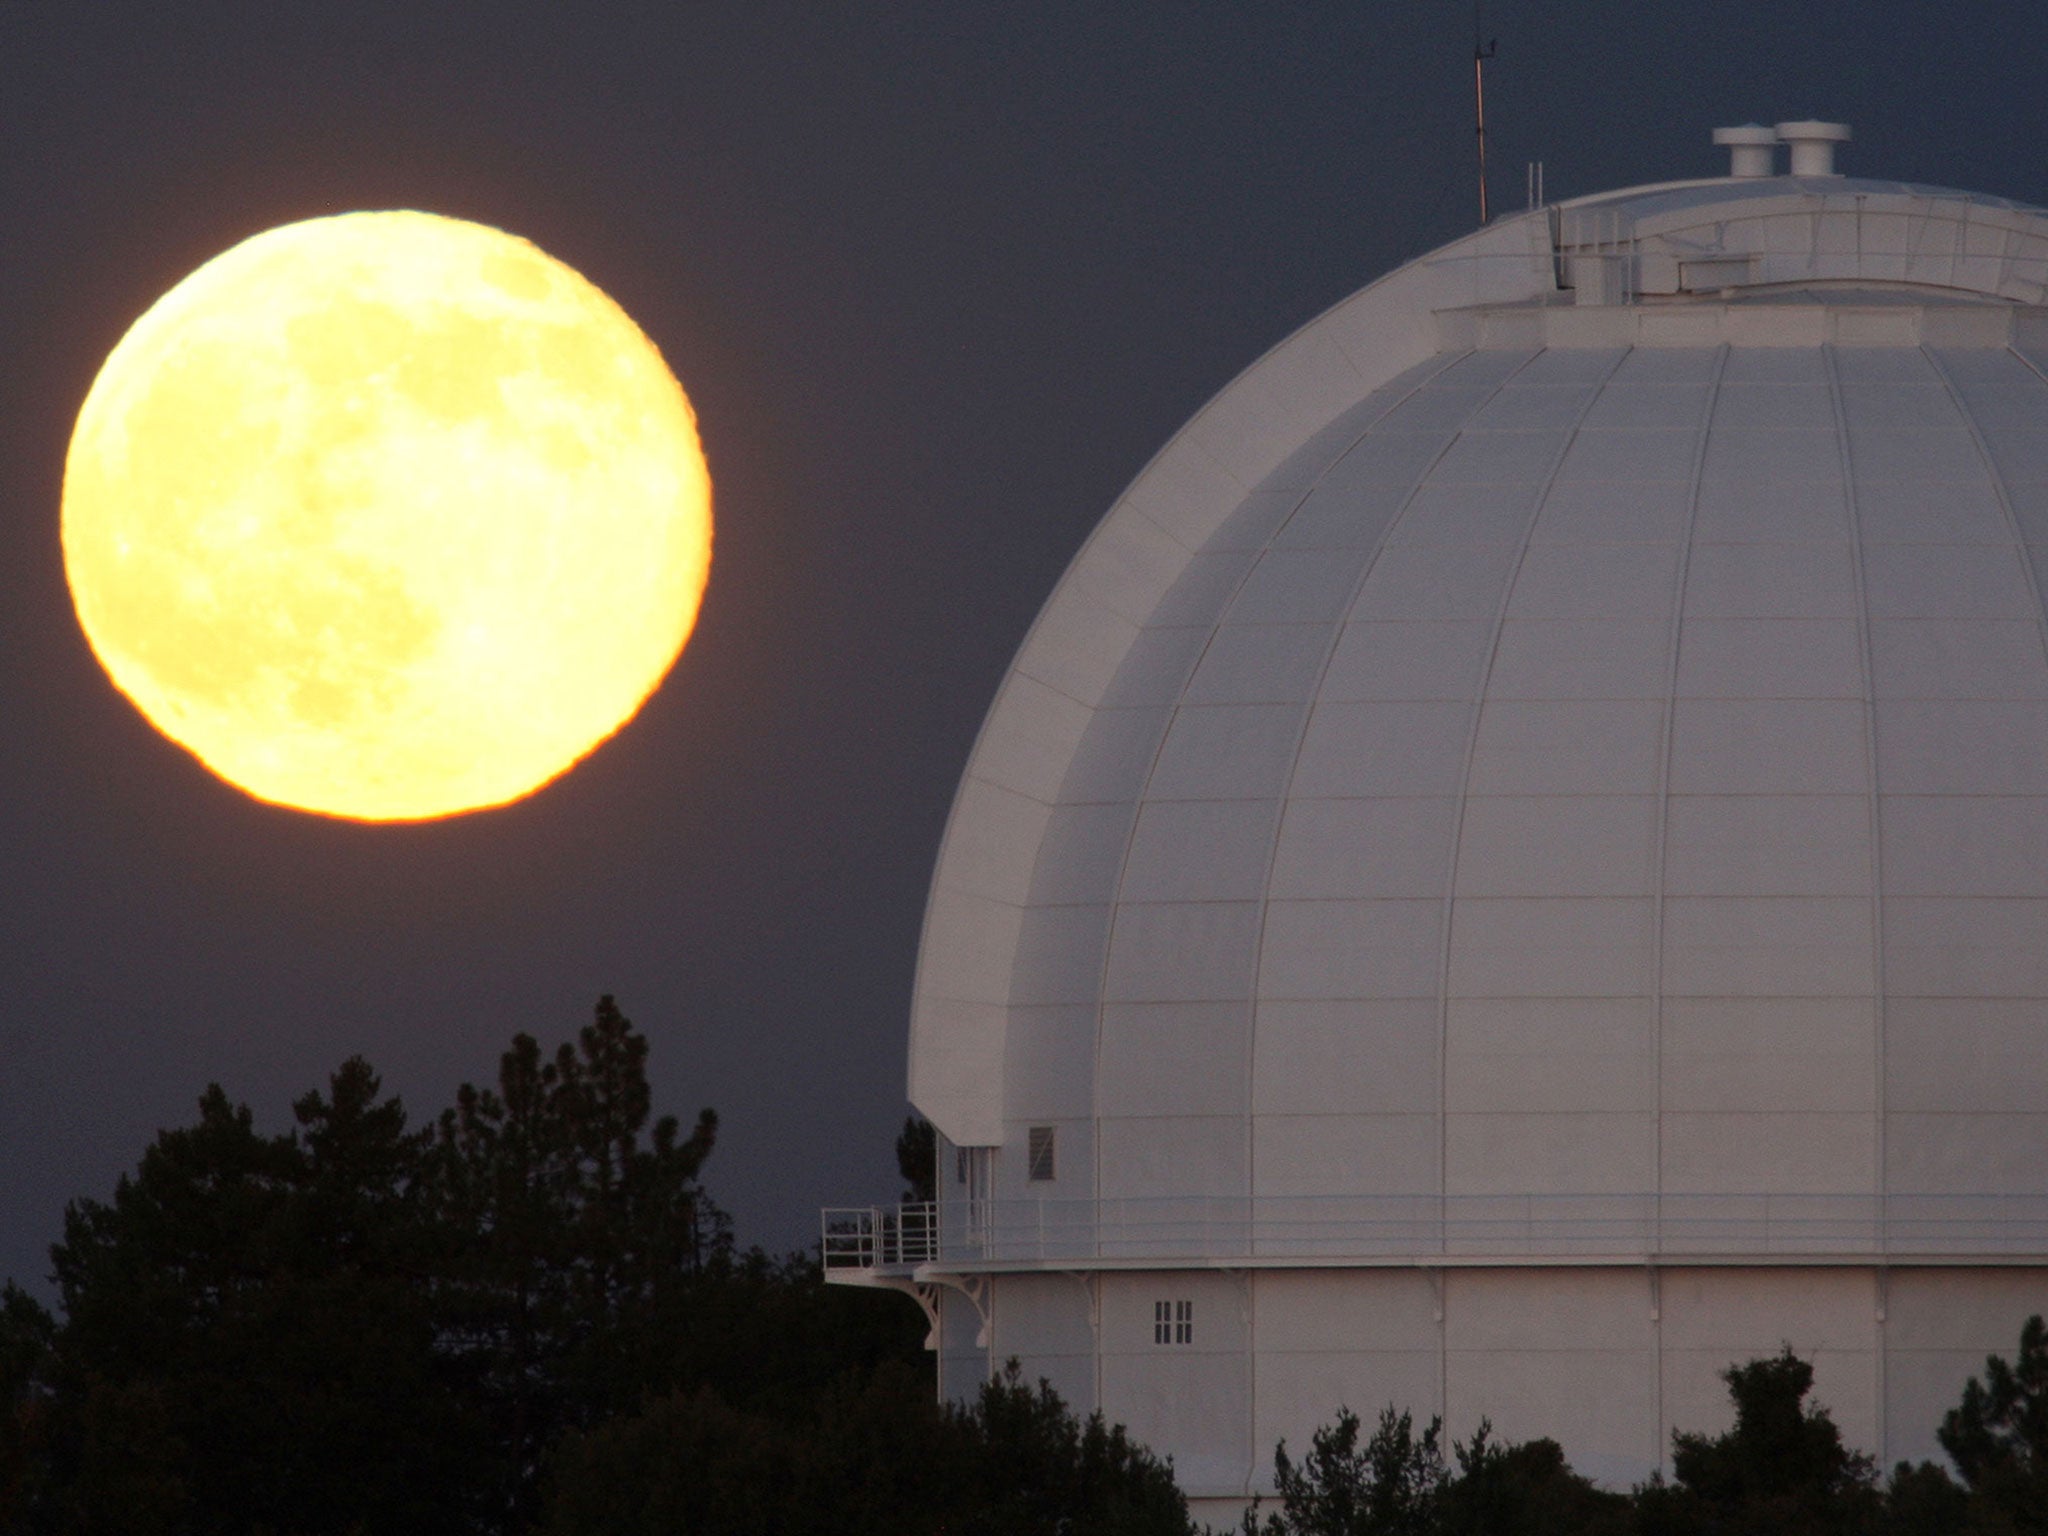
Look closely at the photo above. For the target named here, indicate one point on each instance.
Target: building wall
(1188, 1401)
(1048, 1323)
(963, 1353)
(1607, 1361)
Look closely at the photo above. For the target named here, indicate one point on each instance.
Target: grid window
(1173, 1322)
(1040, 1150)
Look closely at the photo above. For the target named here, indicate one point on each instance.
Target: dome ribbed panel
(1954, 444)
(1768, 1034)
(1350, 1064)
(1576, 774)
(1177, 997)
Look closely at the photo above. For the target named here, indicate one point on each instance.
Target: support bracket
(973, 1287)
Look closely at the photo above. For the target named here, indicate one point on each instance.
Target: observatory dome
(1548, 770)
(1607, 753)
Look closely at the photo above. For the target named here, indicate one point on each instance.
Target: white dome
(1509, 747)
(1512, 872)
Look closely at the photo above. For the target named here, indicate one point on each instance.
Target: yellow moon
(386, 516)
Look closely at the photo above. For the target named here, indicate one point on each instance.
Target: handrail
(1379, 1227)
(879, 1237)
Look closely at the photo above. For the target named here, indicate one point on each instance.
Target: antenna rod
(1481, 52)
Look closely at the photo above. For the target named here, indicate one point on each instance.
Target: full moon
(386, 516)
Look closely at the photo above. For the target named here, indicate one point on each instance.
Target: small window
(1173, 1322)
(1040, 1158)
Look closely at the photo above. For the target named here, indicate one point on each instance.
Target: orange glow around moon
(386, 516)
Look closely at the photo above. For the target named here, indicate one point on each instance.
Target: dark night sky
(939, 279)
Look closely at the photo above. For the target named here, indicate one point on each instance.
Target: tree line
(1782, 1469)
(527, 1315)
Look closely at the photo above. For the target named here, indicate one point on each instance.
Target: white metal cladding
(1557, 769)
(1608, 1361)
(1534, 807)
(1515, 862)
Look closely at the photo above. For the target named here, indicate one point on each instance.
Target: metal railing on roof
(1393, 1228)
